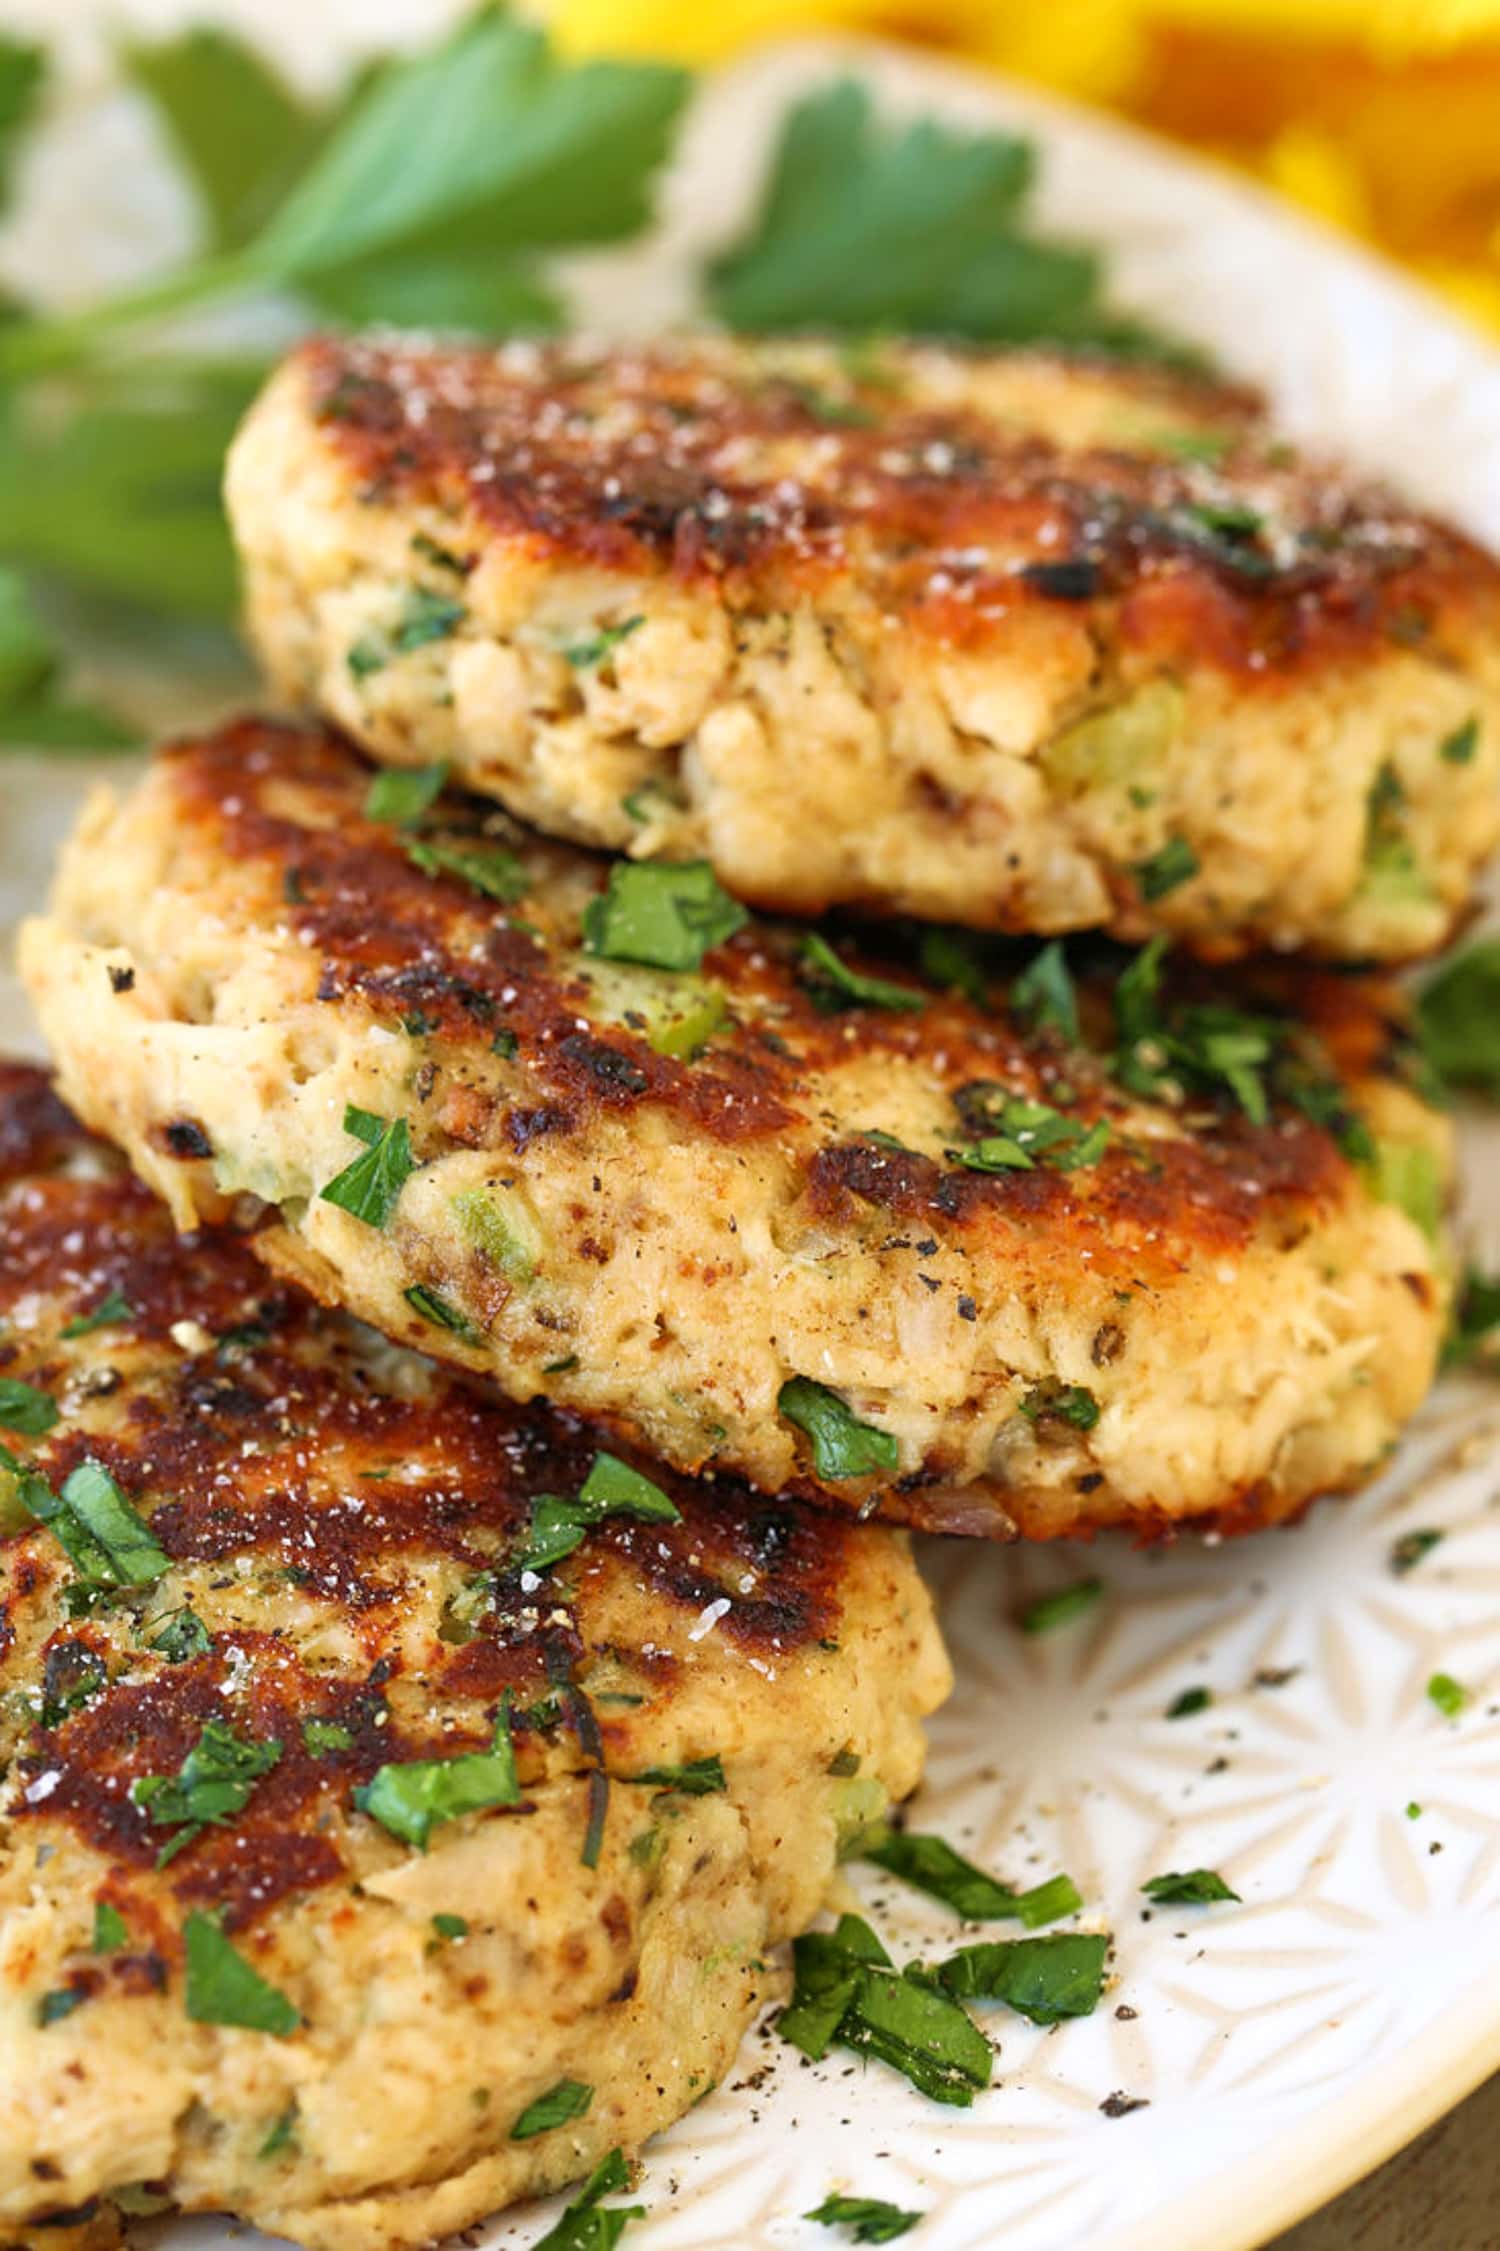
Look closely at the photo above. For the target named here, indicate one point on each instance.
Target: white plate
(1288, 2044)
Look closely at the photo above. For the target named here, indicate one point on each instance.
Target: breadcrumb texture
(344, 1521)
(970, 636)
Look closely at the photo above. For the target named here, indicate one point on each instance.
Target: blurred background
(1380, 116)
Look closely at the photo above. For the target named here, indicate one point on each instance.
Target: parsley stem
(49, 346)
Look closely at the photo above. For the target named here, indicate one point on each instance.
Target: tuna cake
(401, 1795)
(987, 638)
(936, 1229)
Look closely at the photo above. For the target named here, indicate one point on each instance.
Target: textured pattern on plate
(1356, 1993)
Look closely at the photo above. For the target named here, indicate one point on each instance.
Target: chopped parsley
(1190, 1887)
(400, 796)
(110, 1933)
(592, 649)
(869, 2219)
(833, 984)
(569, 2099)
(223, 1988)
(842, 1446)
(425, 617)
(931, 1865)
(25, 1409)
(1016, 1135)
(587, 2225)
(180, 1636)
(107, 1314)
(212, 1784)
(1049, 1611)
(847, 1990)
(695, 1778)
(411, 1799)
(559, 1524)
(593, 1835)
(59, 2003)
(436, 1309)
(1190, 1701)
(1045, 1979)
(665, 913)
(1459, 747)
(1476, 1318)
(1054, 1401)
(322, 1738)
(487, 868)
(450, 1927)
(1044, 994)
(370, 1188)
(1408, 1551)
(951, 958)
(1167, 870)
(283, 2134)
(1458, 1018)
(105, 1540)
(1449, 1696)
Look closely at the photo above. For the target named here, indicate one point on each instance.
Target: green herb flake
(846, 1990)
(179, 1636)
(1448, 1695)
(223, 1988)
(834, 984)
(25, 1409)
(1458, 1018)
(411, 1799)
(695, 1778)
(1054, 1401)
(1409, 1550)
(1458, 748)
(842, 1446)
(59, 2003)
(560, 1523)
(110, 1933)
(1188, 1702)
(868, 2218)
(323, 1738)
(370, 1188)
(211, 1786)
(952, 959)
(1014, 1134)
(107, 1314)
(1175, 864)
(103, 1537)
(1044, 1979)
(568, 2100)
(1413, 1810)
(282, 2138)
(436, 1310)
(666, 914)
(1049, 1611)
(451, 1927)
(1191, 1887)
(931, 1865)
(587, 2225)
(1044, 994)
(399, 796)
(1476, 1319)
(487, 868)
(592, 649)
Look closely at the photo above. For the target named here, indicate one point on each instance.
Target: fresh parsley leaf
(323, 1738)
(592, 650)
(846, 1990)
(370, 1188)
(103, 1537)
(24, 1408)
(1045, 1979)
(1449, 1696)
(1175, 864)
(425, 617)
(1192, 1887)
(487, 868)
(834, 984)
(1054, 1401)
(952, 959)
(180, 1636)
(560, 1523)
(1049, 1611)
(238, 132)
(110, 1933)
(587, 2225)
(1013, 1134)
(436, 1309)
(568, 2100)
(868, 2218)
(696, 1778)
(1044, 993)
(1458, 748)
(665, 913)
(478, 289)
(223, 1988)
(210, 1787)
(107, 1314)
(399, 796)
(1408, 1551)
(1458, 1018)
(1188, 1702)
(1476, 1318)
(412, 1798)
(931, 1865)
(842, 1446)
(451, 1926)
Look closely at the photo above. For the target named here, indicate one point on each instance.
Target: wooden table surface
(1440, 2194)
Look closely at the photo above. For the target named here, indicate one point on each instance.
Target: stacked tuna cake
(945, 1226)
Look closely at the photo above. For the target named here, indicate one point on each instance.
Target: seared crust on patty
(338, 1581)
(662, 1197)
(977, 637)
